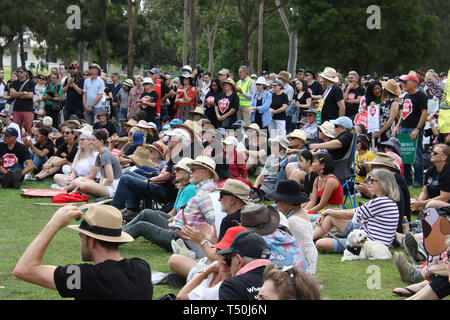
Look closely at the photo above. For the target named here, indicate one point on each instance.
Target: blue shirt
(93, 88)
(184, 195)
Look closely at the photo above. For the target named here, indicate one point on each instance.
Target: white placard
(373, 118)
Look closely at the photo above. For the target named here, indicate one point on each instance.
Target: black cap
(248, 244)
(10, 132)
(363, 137)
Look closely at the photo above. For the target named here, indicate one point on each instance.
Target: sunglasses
(435, 153)
(85, 74)
(228, 259)
(223, 194)
(68, 132)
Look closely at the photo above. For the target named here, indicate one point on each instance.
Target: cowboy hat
(299, 134)
(327, 129)
(384, 159)
(259, 218)
(198, 110)
(238, 189)
(284, 75)
(206, 163)
(141, 157)
(392, 86)
(330, 74)
(288, 191)
(103, 222)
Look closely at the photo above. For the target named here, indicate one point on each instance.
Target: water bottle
(405, 225)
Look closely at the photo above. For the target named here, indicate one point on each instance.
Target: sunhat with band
(327, 129)
(288, 191)
(383, 159)
(103, 222)
(229, 81)
(182, 164)
(206, 163)
(392, 86)
(259, 218)
(141, 157)
(330, 74)
(199, 111)
(238, 189)
(129, 83)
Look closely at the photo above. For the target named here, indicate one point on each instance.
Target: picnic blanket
(41, 193)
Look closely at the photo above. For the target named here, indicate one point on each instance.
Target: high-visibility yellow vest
(243, 101)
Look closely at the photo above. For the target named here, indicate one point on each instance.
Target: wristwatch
(205, 241)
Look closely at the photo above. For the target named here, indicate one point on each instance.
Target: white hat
(148, 80)
(230, 140)
(261, 80)
(47, 121)
(282, 140)
(187, 67)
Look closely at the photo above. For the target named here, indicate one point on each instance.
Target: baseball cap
(248, 244)
(345, 122)
(176, 122)
(5, 113)
(410, 77)
(10, 132)
(228, 237)
(94, 65)
(155, 71)
(138, 138)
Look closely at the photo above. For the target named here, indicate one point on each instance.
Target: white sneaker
(29, 177)
(57, 187)
(175, 246)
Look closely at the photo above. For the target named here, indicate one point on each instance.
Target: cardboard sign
(361, 118)
(373, 118)
(408, 148)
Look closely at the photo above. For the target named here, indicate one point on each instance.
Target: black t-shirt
(351, 109)
(18, 154)
(226, 103)
(308, 184)
(210, 113)
(242, 287)
(412, 107)
(127, 279)
(404, 207)
(23, 104)
(436, 181)
(48, 145)
(330, 110)
(228, 222)
(278, 100)
(74, 101)
(346, 139)
(315, 89)
(150, 111)
(303, 98)
(108, 126)
(62, 152)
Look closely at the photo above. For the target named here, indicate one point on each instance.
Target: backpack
(69, 198)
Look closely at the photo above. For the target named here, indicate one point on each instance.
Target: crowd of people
(191, 162)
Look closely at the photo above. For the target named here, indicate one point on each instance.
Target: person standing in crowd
(123, 97)
(373, 93)
(62, 74)
(285, 78)
(21, 92)
(245, 88)
(302, 97)
(260, 105)
(314, 87)
(352, 95)
(185, 99)
(115, 88)
(212, 100)
(388, 111)
(280, 102)
(332, 104)
(39, 104)
(228, 106)
(162, 90)
(73, 89)
(93, 90)
(412, 121)
(2, 90)
(54, 98)
(135, 94)
(206, 87)
(148, 100)
(110, 277)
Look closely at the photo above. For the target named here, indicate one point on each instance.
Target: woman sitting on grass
(327, 189)
(304, 173)
(378, 217)
(105, 163)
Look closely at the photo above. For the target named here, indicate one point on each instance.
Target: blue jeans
(38, 162)
(337, 247)
(419, 163)
(147, 171)
(132, 188)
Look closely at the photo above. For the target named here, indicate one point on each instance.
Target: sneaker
(55, 186)
(128, 214)
(405, 268)
(175, 247)
(413, 248)
(29, 177)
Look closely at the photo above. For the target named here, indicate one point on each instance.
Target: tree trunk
(132, 15)
(260, 38)
(194, 35)
(2, 51)
(293, 39)
(89, 56)
(104, 38)
(185, 31)
(13, 54)
(81, 56)
(22, 49)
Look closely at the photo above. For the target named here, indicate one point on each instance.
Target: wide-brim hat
(192, 127)
(238, 189)
(103, 222)
(327, 129)
(206, 163)
(129, 123)
(259, 218)
(148, 81)
(160, 147)
(230, 81)
(254, 126)
(86, 128)
(183, 164)
(198, 110)
(288, 191)
(143, 124)
(299, 134)
(141, 157)
(74, 123)
(392, 86)
(384, 159)
(330, 74)
(129, 83)
(284, 75)
(281, 140)
(394, 143)
(95, 65)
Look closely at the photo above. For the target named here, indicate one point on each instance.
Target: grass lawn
(21, 221)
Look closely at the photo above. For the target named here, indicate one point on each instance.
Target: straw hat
(254, 126)
(281, 140)
(141, 157)
(198, 110)
(86, 128)
(183, 164)
(143, 124)
(160, 147)
(392, 86)
(129, 83)
(206, 163)
(74, 123)
(238, 189)
(284, 75)
(103, 222)
(327, 129)
(230, 81)
(384, 159)
(330, 74)
(192, 127)
(129, 123)
(299, 134)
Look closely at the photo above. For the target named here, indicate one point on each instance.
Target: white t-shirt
(204, 292)
(84, 166)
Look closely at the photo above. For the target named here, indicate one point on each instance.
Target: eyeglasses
(82, 139)
(228, 259)
(223, 194)
(195, 169)
(86, 74)
(371, 180)
(435, 153)
(68, 132)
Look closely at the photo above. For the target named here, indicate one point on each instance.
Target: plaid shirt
(198, 209)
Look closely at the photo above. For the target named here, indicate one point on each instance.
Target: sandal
(401, 294)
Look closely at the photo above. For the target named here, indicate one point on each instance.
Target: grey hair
(389, 186)
(245, 69)
(354, 73)
(433, 74)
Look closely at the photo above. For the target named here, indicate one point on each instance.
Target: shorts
(337, 247)
(441, 286)
(113, 187)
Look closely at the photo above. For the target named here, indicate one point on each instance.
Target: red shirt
(236, 165)
(337, 197)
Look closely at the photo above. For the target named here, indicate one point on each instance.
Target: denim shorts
(337, 247)
(440, 286)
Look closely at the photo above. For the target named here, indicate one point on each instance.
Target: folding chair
(345, 171)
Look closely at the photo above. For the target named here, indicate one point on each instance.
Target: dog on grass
(360, 247)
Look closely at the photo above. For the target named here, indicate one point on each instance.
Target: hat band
(100, 230)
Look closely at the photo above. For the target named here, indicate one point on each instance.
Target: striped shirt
(198, 209)
(379, 219)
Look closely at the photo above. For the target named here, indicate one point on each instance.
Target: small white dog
(359, 247)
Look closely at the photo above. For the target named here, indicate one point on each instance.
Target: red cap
(410, 77)
(228, 238)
